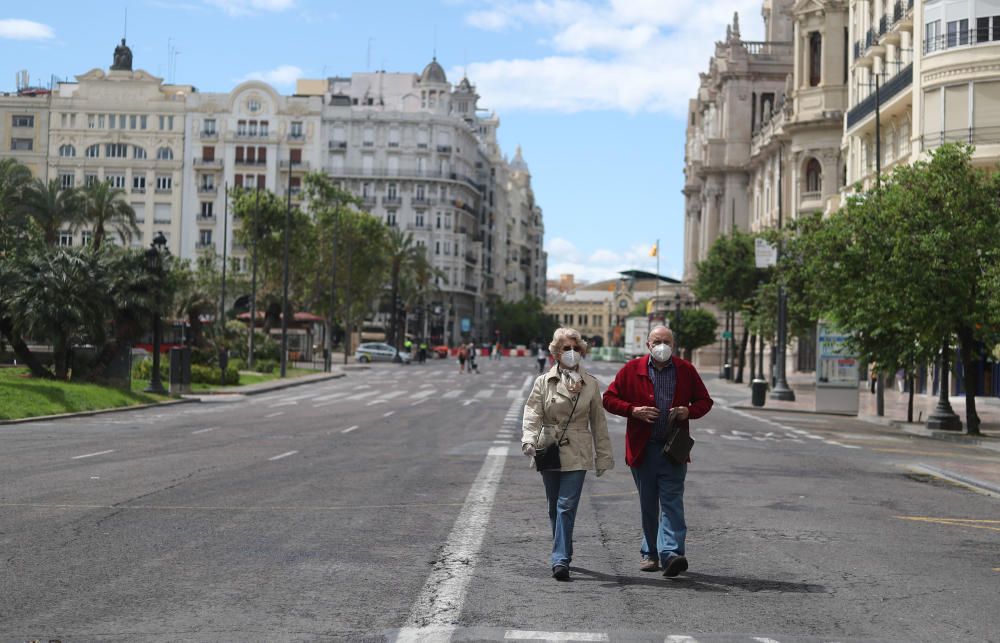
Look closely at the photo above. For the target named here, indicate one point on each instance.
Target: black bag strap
(565, 426)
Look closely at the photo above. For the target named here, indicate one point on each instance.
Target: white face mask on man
(570, 358)
(661, 352)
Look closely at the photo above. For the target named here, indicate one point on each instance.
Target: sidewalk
(271, 385)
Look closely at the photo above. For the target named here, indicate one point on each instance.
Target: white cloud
(565, 258)
(624, 55)
(248, 7)
(15, 29)
(283, 75)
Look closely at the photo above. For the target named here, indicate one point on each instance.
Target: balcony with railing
(404, 173)
(206, 219)
(208, 163)
(989, 135)
(962, 38)
(250, 162)
(422, 201)
(297, 166)
(768, 49)
(337, 145)
(207, 189)
(296, 137)
(392, 200)
(444, 149)
(887, 92)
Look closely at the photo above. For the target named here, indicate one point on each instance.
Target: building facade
(417, 150)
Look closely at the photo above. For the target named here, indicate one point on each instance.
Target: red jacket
(632, 387)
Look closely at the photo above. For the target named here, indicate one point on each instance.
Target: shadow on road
(700, 582)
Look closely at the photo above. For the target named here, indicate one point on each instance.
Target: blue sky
(595, 91)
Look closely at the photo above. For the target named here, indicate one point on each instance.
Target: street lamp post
(154, 262)
(943, 418)
(677, 321)
(781, 389)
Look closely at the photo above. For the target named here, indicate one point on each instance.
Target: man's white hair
(658, 327)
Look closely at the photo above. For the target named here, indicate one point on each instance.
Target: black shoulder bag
(547, 458)
(679, 443)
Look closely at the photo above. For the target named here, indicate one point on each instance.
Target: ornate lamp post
(943, 418)
(154, 263)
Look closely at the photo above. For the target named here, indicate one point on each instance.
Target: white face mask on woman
(661, 352)
(570, 358)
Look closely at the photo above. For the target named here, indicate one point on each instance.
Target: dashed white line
(374, 402)
(533, 635)
(283, 455)
(422, 394)
(387, 414)
(453, 393)
(351, 428)
(211, 428)
(274, 415)
(485, 393)
(91, 455)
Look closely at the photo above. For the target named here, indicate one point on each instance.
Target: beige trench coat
(547, 410)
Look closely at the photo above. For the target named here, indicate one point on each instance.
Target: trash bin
(727, 372)
(758, 392)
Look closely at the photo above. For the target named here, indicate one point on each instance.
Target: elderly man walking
(651, 391)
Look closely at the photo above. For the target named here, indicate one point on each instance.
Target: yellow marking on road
(974, 523)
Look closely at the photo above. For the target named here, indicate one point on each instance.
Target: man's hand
(682, 412)
(528, 450)
(646, 413)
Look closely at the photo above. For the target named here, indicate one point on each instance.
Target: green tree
(107, 210)
(696, 329)
(525, 321)
(728, 278)
(404, 258)
(14, 179)
(52, 208)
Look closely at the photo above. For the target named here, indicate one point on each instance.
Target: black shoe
(675, 566)
(560, 572)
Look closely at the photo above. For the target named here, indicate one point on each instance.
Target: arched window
(94, 151)
(138, 152)
(814, 176)
(67, 150)
(164, 154)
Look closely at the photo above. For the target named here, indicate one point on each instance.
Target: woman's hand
(528, 450)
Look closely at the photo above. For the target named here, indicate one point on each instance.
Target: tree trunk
(743, 355)
(22, 352)
(880, 394)
(968, 345)
(753, 357)
(910, 381)
(60, 358)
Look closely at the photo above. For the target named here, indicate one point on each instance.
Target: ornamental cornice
(965, 70)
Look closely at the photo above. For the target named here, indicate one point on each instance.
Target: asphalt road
(394, 504)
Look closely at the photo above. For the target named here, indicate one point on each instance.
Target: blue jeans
(660, 484)
(562, 490)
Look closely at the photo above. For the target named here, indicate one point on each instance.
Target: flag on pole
(653, 252)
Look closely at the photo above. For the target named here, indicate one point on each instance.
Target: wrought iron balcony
(866, 107)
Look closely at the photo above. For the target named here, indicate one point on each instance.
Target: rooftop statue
(123, 58)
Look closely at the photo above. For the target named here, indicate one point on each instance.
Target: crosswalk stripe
(485, 393)
(451, 394)
(421, 394)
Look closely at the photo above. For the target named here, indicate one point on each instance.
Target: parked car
(379, 352)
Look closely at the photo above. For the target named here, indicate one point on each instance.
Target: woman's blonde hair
(568, 333)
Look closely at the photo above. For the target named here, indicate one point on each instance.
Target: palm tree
(14, 176)
(105, 208)
(403, 256)
(52, 207)
(56, 297)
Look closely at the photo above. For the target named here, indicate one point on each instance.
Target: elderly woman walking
(564, 410)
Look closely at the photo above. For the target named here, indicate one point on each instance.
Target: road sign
(765, 255)
(727, 334)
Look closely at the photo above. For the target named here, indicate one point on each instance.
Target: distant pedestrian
(473, 366)
(543, 358)
(651, 391)
(461, 358)
(497, 351)
(564, 408)
(422, 351)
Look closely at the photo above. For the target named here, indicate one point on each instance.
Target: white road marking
(274, 415)
(761, 639)
(838, 444)
(485, 393)
(300, 397)
(680, 638)
(513, 393)
(211, 428)
(283, 455)
(389, 396)
(422, 394)
(468, 402)
(278, 404)
(387, 414)
(331, 396)
(351, 428)
(450, 394)
(533, 635)
(322, 404)
(91, 455)
(374, 402)
(421, 401)
(439, 604)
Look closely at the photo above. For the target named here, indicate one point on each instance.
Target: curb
(979, 486)
(288, 383)
(750, 407)
(117, 409)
